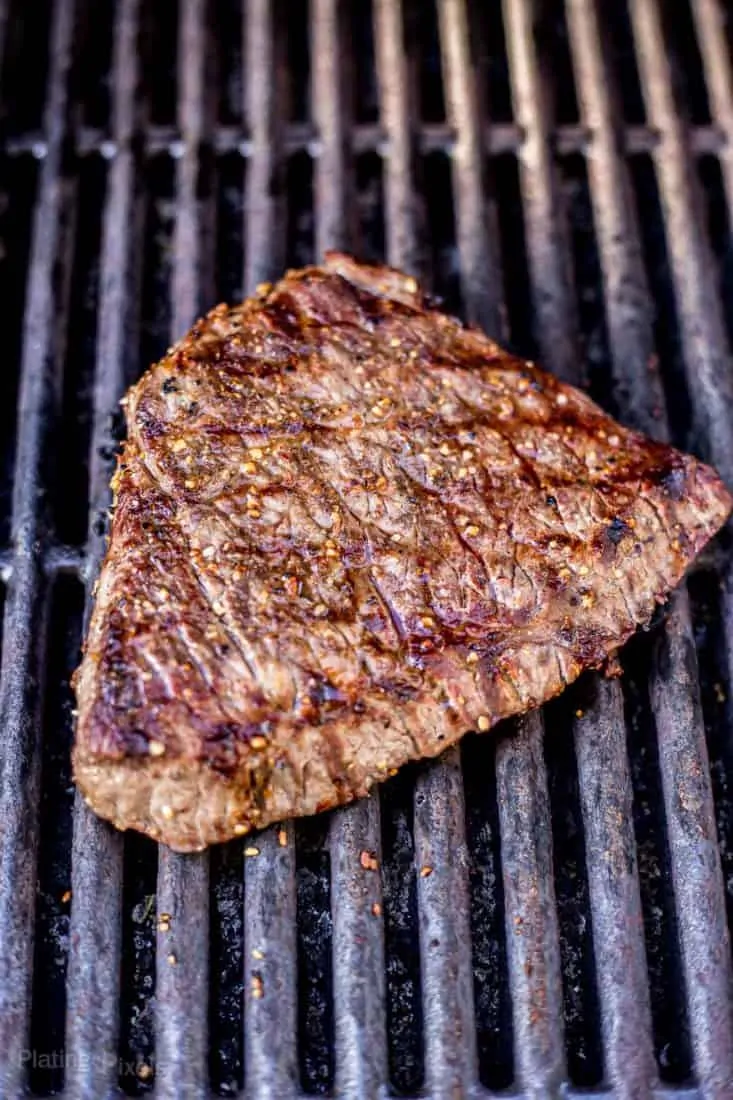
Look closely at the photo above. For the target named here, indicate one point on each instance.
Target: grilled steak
(347, 530)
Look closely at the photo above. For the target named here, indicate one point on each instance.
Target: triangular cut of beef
(347, 530)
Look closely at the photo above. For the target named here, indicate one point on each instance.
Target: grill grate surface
(561, 173)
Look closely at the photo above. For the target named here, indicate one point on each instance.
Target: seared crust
(347, 530)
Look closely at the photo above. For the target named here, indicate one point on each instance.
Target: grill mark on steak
(375, 530)
(473, 552)
(220, 615)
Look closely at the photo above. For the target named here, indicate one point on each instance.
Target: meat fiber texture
(349, 529)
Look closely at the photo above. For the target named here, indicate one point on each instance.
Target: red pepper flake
(291, 586)
(66, 897)
(425, 871)
(257, 987)
(368, 861)
(376, 909)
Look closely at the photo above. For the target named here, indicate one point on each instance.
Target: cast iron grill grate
(561, 173)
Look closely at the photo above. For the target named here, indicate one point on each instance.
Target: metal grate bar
(530, 912)
(481, 295)
(270, 1021)
(264, 240)
(400, 214)
(674, 690)
(93, 983)
(554, 308)
(603, 770)
(709, 18)
(25, 613)
(183, 881)
(441, 856)
(706, 355)
(607, 806)
(332, 228)
(182, 975)
(358, 951)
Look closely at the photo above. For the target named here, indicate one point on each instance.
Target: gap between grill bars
(559, 173)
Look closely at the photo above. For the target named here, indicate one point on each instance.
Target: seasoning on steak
(347, 530)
